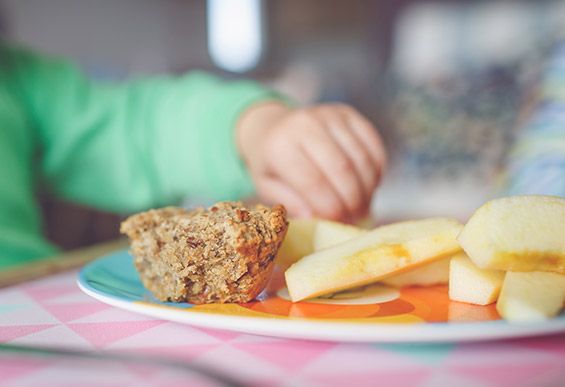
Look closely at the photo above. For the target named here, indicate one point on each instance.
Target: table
(52, 312)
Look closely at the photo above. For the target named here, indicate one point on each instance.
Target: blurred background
(447, 83)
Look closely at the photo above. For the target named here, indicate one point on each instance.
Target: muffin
(223, 254)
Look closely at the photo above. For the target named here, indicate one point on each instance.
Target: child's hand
(323, 161)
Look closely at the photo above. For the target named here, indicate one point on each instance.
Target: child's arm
(324, 161)
(135, 145)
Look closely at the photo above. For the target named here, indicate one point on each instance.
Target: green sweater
(121, 148)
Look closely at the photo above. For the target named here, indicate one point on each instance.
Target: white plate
(377, 314)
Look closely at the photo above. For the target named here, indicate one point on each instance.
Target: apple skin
(517, 233)
(298, 242)
(304, 236)
(470, 284)
(329, 233)
(531, 297)
(378, 254)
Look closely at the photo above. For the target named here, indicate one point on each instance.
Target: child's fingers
(326, 159)
(367, 135)
(366, 169)
(336, 166)
(274, 191)
(297, 171)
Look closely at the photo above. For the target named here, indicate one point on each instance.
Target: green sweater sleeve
(135, 145)
(119, 147)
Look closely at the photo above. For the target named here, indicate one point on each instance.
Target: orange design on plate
(409, 305)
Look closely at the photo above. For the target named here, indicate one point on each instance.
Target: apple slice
(468, 283)
(328, 234)
(298, 242)
(304, 236)
(518, 233)
(380, 253)
(434, 273)
(529, 297)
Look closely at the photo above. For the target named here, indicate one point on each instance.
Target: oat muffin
(221, 254)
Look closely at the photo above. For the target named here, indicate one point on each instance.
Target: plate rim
(320, 330)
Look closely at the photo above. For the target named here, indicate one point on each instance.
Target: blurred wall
(114, 38)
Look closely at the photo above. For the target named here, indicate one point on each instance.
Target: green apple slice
(518, 233)
(298, 242)
(380, 253)
(468, 283)
(328, 234)
(434, 273)
(530, 297)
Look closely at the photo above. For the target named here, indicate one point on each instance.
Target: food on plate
(468, 283)
(434, 273)
(529, 297)
(525, 237)
(328, 233)
(221, 254)
(380, 253)
(304, 236)
(298, 242)
(518, 233)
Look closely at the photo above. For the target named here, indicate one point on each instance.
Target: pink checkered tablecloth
(54, 313)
